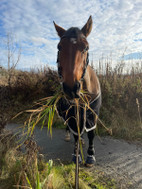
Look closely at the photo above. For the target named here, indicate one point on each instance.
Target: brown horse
(76, 74)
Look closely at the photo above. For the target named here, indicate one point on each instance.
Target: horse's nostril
(78, 85)
(72, 93)
(66, 89)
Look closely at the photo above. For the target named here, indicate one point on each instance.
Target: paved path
(116, 158)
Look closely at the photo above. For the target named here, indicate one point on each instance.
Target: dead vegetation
(121, 111)
(121, 91)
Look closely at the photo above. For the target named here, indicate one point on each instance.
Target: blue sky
(117, 28)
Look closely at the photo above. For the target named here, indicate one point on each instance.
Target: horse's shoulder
(91, 71)
(91, 82)
(91, 75)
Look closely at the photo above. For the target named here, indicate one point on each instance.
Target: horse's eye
(59, 47)
(87, 48)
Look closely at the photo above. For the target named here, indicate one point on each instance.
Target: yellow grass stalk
(46, 111)
(138, 104)
(78, 127)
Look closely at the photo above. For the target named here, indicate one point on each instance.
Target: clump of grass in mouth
(45, 112)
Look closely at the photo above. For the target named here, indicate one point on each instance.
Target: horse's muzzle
(72, 93)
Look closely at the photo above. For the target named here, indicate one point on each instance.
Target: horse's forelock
(73, 32)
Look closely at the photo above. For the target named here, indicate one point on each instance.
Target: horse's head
(73, 57)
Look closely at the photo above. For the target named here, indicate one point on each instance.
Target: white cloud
(40, 40)
(117, 25)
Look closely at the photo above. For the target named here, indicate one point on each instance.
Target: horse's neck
(91, 83)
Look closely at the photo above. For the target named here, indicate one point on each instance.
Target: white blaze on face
(73, 40)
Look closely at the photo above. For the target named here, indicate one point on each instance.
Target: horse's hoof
(67, 137)
(90, 161)
(79, 159)
(89, 165)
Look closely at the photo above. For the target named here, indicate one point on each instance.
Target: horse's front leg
(91, 152)
(75, 150)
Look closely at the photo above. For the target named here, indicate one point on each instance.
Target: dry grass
(122, 100)
(29, 170)
(26, 87)
(120, 89)
(121, 111)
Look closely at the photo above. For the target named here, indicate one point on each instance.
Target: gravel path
(116, 158)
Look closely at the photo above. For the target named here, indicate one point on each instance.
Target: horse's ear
(87, 27)
(60, 30)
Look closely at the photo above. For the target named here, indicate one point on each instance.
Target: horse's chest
(87, 119)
